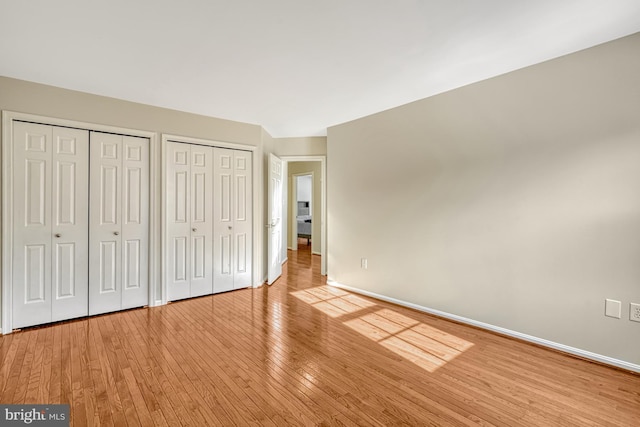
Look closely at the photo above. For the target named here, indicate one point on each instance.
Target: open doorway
(305, 219)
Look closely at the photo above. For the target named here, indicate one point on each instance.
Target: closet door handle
(194, 229)
(115, 233)
(58, 235)
(230, 227)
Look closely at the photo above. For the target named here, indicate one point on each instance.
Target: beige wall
(34, 98)
(307, 168)
(307, 146)
(514, 201)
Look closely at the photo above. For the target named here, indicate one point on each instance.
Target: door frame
(323, 201)
(8, 117)
(257, 214)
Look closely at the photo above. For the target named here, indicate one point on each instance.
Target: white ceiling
(293, 66)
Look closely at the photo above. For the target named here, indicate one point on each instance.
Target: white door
(201, 212)
(189, 212)
(223, 220)
(178, 207)
(233, 225)
(274, 219)
(242, 219)
(135, 222)
(50, 224)
(118, 222)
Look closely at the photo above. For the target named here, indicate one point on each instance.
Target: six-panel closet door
(81, 222)
(189, 186)
(232, 219)
(50, 234)
(119, 223)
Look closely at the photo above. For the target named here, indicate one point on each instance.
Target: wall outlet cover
(613, 308)
(634, 312)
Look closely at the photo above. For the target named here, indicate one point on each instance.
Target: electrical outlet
(363, 263)
(634, 312)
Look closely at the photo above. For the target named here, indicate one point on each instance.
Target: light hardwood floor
(301, 353)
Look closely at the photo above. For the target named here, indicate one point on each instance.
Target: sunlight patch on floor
(424, 345)
(332, 302)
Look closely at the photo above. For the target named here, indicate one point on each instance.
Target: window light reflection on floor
(331, 301)
(421, 344)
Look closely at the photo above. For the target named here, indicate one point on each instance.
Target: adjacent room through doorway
(304, 205)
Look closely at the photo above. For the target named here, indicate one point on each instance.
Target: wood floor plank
(8, 350)
(110, 398)
(45, 371)
(85, 380)
(78, 391)
(34, 380)
(56, 366)
(118, 365)
(23, 368)
(301, 353)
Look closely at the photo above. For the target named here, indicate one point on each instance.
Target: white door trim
(257, 204)
(323, 201)
(292, 242)
(8, 117)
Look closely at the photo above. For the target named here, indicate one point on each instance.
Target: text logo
(34, 415)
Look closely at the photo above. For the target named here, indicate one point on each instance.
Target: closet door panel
(70, 223)
(201, 184)
(223, 220)
(50, 224)
(105, 227)
(135, 222)
(242, 223)
(209, 218)
(32, 233)
(178, 214)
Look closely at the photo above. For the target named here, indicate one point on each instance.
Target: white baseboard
(316, 253)
(530, 338)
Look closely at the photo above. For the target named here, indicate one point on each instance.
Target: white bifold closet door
(50, 231)
(232, 227)
(189, 212)
(119, 223)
